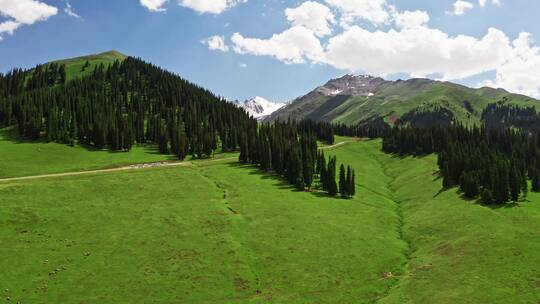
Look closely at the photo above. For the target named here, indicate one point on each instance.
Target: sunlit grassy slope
(219, 232)
(398, 98)
(22, 158)
(74, 66)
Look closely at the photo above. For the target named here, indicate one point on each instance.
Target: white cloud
(23, 12)
(520, 72)
(210, 6)
(313, 16)
(295, 45)
(374, 11)
(8, 27)
(408, 19)
(243, 65)
(216, 43)
(70, 11)
(483, 2)
(419, 52)
(461, 7)
(154, 5)
(411, 48)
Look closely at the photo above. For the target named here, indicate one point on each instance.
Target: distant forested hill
(113, 101)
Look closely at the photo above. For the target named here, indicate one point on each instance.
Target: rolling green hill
(202, 234)
(75, 67)
(353, 99)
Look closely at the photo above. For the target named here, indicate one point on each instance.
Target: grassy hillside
(394, 99)
(225, 233)
(74, 66)
(24, 158)
(193, 235)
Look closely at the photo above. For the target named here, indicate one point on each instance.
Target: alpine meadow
(160, 175)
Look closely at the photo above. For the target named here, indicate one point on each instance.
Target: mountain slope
(352, 99)
(259, 107)
(75, 67)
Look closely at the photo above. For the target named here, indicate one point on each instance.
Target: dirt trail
(124, 168)
(139, 167)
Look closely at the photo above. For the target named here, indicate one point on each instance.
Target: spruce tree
(323, 173)
(331, 177)
(353, 183)
(343, 186)
(535, 180)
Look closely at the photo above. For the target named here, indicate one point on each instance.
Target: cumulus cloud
(313, 16)
(295, 45)
(210, 6)
(461, 7)
(23, 12)
(520, 72)
(154, 5)
(216, 43)
(409, 19)
(374, 11)
(418, 51)
(411, 47)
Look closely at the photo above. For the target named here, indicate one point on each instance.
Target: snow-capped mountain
(259, 107)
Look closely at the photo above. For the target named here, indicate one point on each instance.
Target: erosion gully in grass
(220, 232)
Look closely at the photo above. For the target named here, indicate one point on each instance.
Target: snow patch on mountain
(259, 107)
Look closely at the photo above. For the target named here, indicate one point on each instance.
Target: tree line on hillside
(290, 150)
(132, 102)
(502, 115)
(493, 164)
(119, 105)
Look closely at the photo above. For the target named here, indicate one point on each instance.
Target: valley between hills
(243, 212)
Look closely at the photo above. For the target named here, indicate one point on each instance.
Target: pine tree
(343, 186)
(323, 173)
(353, 183)
(515, 184)
(535, 180)
(486, 196)
(308, 171)
(331, 177)
(349, 181)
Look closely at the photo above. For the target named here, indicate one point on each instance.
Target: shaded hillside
(353, 99)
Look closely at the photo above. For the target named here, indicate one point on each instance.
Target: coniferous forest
(491, 164)
(133, 102)
(116, 106)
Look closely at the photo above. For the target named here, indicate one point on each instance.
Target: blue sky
(314, 41)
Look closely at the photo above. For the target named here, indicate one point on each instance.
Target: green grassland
(74, 66)
(23, 158)
(399, 99)
(220, 232)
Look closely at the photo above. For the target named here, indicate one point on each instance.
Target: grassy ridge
(225, 233)
(74, 66)
(395, 99)
(398, 100)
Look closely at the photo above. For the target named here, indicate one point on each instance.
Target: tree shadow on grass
(499, 206)
(279, 181)
(11, 134)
